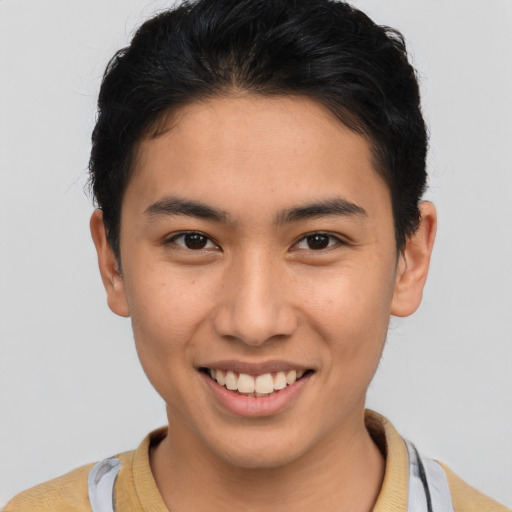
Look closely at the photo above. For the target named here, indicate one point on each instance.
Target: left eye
(193, 241)
(317, 242)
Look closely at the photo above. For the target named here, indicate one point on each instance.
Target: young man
(258, 168)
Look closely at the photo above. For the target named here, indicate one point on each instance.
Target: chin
(259, 451)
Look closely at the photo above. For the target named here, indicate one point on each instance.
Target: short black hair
(325, 50)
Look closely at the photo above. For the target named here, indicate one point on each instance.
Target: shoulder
(406, 480)
(66, 493)
(466, 498)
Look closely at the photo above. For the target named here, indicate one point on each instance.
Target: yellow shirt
(136, 491)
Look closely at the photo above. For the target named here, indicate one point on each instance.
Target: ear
(413, 263)
(109, 268)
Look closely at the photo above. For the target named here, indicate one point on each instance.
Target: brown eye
(318, 241)
(193, 241)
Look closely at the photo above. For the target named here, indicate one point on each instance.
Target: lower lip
(254, 407)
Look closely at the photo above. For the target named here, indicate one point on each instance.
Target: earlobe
(108, 265)
(414, 262)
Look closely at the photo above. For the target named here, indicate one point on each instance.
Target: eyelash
(331, 238)
(175, 238)
(331, 242)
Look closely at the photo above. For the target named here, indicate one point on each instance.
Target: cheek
(169, 314)
(351, 311)
(167, 308)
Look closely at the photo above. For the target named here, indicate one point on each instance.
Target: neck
(343, 472)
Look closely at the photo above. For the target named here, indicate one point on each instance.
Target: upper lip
(258, 368)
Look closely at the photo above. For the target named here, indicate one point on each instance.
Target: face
(258, 247)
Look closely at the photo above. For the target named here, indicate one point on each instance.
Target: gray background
(71, 390)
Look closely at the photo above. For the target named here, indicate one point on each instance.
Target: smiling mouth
(261, 386)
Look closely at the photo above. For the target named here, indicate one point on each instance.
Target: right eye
(193, 241)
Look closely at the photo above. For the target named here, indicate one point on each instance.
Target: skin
(259, 291)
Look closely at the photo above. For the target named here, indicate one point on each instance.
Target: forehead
(258, 152)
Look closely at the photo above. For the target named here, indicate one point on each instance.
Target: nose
(256, 302)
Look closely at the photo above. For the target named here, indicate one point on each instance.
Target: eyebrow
(169, 206)
(172, 205)
(327, 208)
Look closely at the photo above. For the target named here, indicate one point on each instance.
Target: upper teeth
(260, 385)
